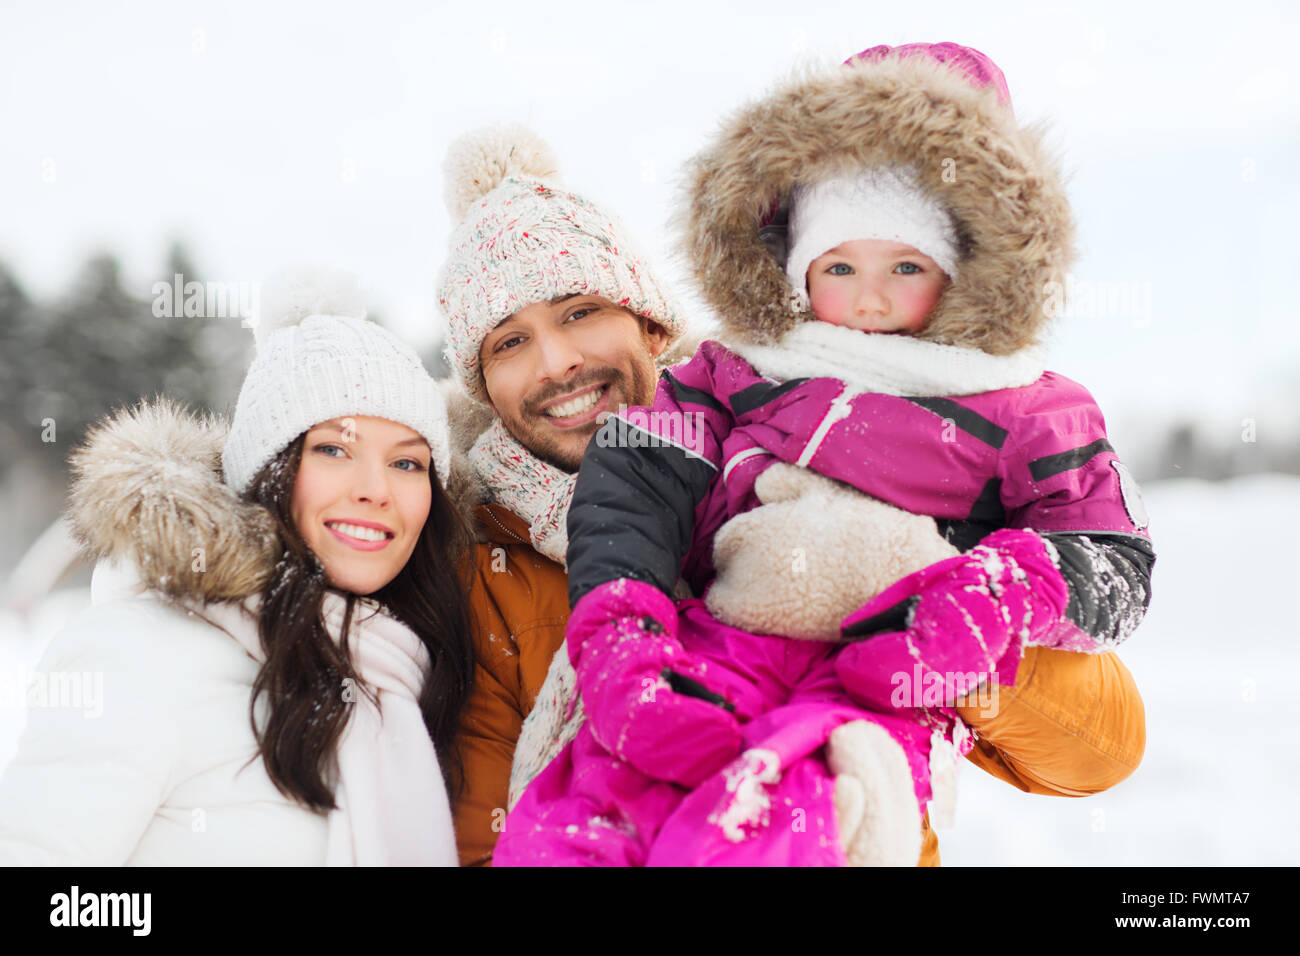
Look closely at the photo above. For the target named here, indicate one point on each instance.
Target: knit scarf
(889, 364)
(391, 803)
(533, 489)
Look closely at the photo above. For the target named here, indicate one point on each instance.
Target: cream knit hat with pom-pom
(519, 239)
(318, 359)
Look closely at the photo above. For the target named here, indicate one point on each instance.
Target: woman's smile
(362, 535)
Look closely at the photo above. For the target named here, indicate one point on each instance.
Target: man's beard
(564, 452)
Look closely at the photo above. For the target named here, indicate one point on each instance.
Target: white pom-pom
(480, 160)
(290, 296)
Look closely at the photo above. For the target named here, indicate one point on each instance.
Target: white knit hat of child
(519, 239)
(318, 359)
(881, 203)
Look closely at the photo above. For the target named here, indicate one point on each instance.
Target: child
(918, 235)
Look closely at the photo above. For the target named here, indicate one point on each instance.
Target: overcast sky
(264, 134)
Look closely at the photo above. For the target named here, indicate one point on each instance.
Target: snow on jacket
(165, 771)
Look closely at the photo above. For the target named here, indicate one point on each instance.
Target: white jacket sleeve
(103, 735)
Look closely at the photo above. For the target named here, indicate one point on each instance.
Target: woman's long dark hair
(303, 677)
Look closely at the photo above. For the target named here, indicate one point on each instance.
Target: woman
(234, 725)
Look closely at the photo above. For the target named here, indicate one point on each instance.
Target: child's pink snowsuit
(590, 807)
(1022, 479)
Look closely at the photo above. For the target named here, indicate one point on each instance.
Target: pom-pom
(482, 159)
(292, 295)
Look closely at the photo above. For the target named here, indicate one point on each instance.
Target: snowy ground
(1213, 660)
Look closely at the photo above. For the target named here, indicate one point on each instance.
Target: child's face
(875, 285)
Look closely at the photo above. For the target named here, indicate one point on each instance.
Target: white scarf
(392, 807)
(531, 488)
(890, 364)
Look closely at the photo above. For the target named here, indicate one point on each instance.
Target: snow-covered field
(1214, 660)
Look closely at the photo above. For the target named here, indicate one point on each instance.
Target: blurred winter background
(223, 141)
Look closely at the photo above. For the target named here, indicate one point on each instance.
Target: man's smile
(576, 408)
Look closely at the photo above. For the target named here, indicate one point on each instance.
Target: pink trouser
(773, 805)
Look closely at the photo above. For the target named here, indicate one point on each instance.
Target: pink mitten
(960, 621)
(647, 700)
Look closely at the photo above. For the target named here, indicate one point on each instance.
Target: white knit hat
(519, 239)
(317, 359)
(882, 203)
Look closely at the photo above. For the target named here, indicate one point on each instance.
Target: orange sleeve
(488, 731)
(487, 746)
(1073, 724)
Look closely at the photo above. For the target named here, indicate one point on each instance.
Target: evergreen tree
(102, 346)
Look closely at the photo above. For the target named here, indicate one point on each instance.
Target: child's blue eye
(841, 269)
(908, 268)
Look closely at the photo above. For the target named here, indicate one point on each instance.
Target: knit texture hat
(881, 203)
(317, 359)
(520, 239)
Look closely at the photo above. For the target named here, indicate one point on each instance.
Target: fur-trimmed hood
(147, 492)
(995, 178)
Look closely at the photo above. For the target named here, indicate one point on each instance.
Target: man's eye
(907, 268)
(841, 269)
(579, 313)
(508, 343)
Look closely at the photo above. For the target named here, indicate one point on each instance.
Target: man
(553, 321)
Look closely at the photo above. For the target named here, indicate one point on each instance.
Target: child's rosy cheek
(827, 305)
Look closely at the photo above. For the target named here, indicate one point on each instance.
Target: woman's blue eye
(415, 465)
(841, 269)
(908, 268)
(327, 449)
